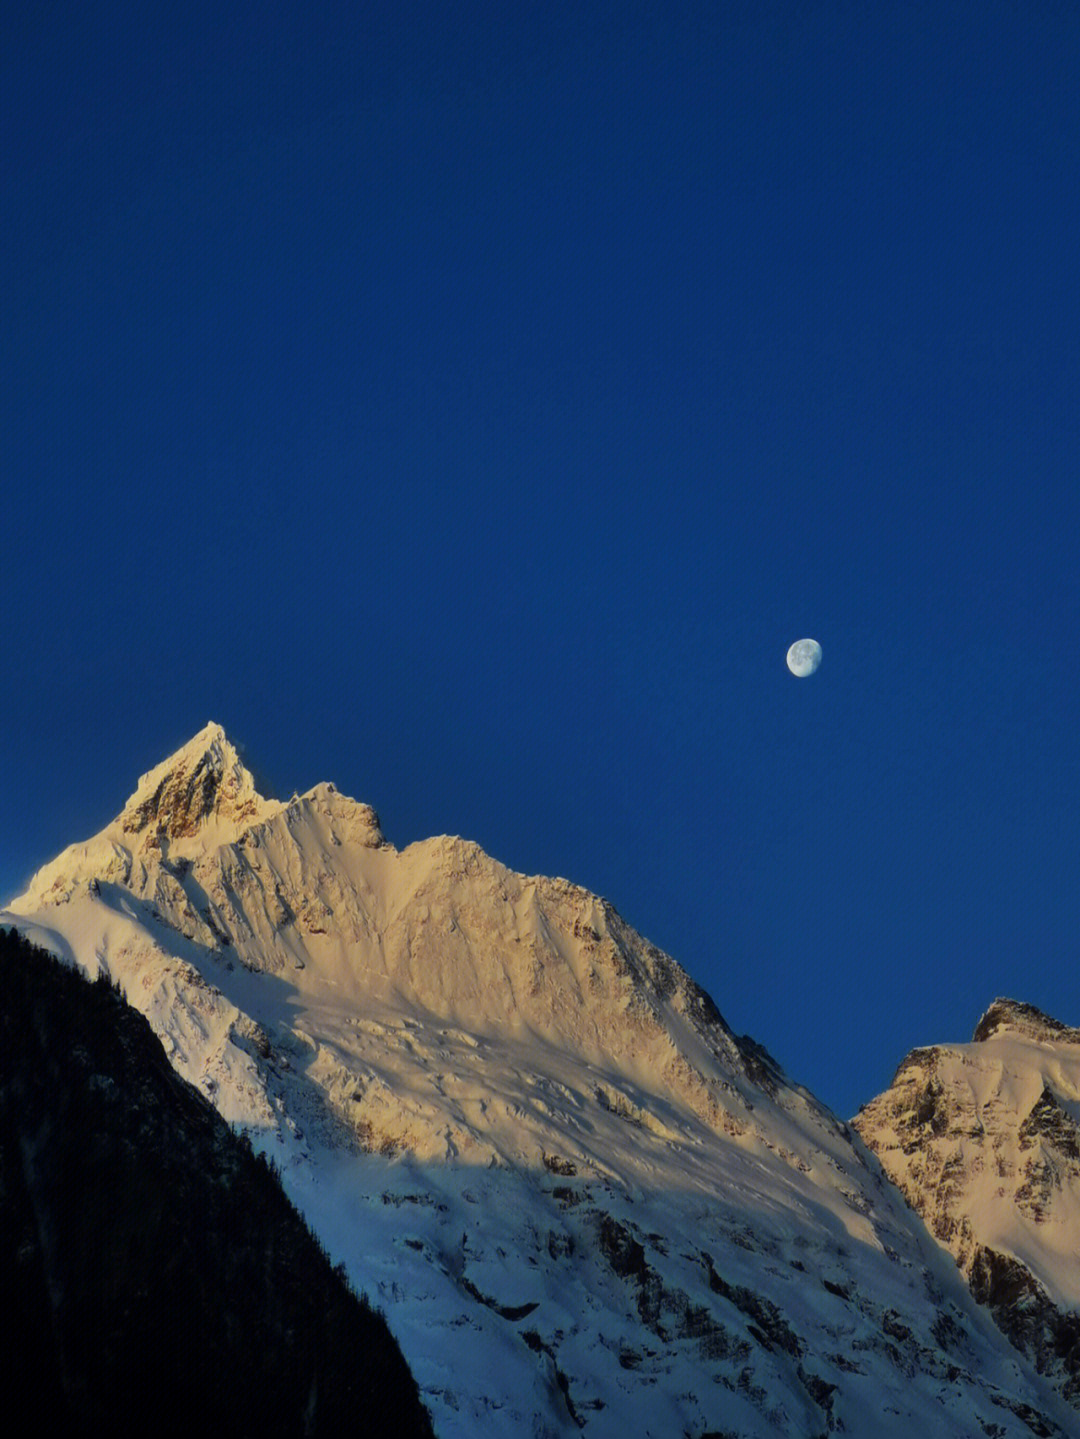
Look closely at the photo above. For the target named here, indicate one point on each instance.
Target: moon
(803, 657)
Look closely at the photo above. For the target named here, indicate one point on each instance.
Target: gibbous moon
(803, 657)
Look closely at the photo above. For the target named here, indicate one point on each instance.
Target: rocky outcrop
(1023, 1310)
(205, 780)
(1015, 1017)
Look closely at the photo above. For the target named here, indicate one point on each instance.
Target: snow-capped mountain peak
(201, 797)
(582, 1201)
(204, 784)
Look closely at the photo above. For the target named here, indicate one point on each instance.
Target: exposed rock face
(206, 779)
(582, 1201)
(984, 1142)
(1024, 1020)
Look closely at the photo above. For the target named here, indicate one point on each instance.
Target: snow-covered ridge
(581, 1199)
(311, 888)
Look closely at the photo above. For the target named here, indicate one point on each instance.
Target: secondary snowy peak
(983, 1139)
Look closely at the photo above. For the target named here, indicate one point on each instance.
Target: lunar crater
(803, 658)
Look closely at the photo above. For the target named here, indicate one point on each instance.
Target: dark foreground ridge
(158, 1279)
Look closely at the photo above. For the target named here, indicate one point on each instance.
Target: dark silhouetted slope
(157, 1277)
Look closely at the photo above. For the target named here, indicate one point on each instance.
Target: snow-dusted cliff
(582, 1201)
(984, 1141)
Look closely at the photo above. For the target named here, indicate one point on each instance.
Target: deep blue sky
(470, 403)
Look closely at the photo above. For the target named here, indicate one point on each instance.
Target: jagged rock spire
(204, 779)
